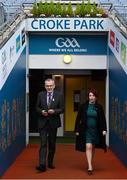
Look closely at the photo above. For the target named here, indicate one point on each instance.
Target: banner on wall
(10, 53)
(118, 45)
(68, 44)
(0, 68)
(67, 24)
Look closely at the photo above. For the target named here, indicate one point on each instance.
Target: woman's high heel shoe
(90, 172)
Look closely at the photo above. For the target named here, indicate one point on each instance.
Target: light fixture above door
(67, 59)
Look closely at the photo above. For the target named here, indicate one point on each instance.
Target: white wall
(78, 62)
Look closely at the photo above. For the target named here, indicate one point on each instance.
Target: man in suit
(49, 107)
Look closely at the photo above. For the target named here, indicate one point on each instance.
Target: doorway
(76, 90)
(74, 84)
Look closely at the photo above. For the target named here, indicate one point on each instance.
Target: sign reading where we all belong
(67, 24)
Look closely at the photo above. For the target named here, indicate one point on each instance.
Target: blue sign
(17, 43)
(71, 44)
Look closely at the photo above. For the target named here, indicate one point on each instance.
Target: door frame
(78, 62)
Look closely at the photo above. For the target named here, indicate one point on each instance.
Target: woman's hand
(77, 133)
(104, 133)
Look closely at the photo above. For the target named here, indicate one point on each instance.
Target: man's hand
(51, 111)
(77, 133)
(44, 113)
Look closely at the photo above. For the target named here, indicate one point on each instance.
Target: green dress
(91, 134)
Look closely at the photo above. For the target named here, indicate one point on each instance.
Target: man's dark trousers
(48, 138)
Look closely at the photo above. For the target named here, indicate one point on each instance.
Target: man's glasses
(48, 85)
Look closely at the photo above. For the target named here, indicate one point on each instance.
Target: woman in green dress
(90, 128)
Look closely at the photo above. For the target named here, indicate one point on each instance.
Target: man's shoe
(41, 168)
(51, 166)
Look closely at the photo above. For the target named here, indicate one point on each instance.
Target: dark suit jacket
(56, 104)
(80, 126)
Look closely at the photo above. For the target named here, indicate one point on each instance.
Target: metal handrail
(121, 18)
(117, 17)
(107, 5)
(8, 28)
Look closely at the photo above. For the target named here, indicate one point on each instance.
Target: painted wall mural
(119, 118)
(117, 108)
(13, 113)
(12, 123)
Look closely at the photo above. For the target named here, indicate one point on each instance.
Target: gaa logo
(67, 42)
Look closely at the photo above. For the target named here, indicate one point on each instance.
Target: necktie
(49, 99)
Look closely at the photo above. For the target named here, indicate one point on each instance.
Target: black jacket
(56, 104)
(80, 126)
